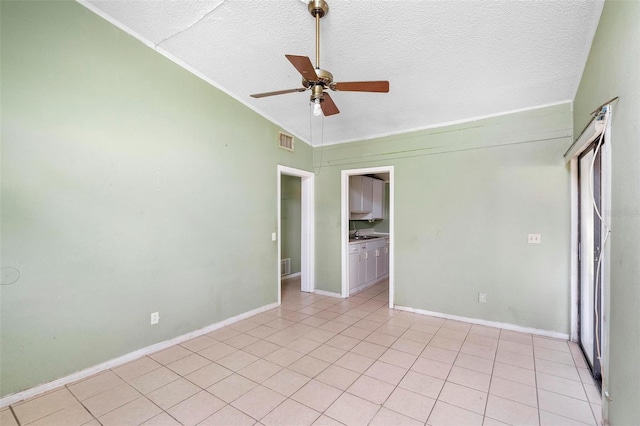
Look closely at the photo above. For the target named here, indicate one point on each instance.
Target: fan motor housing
(325, 78)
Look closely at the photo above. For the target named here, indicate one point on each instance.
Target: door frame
(307, 234)
(344, 239)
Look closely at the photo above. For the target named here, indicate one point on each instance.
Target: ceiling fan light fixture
(317, 109)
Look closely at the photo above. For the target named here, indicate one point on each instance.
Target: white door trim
(345, 226)
(307, 262)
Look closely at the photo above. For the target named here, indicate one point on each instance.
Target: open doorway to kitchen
(295, 188)
(367, 263)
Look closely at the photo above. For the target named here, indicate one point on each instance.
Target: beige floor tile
(199, 343)
(284, 357)
(352, 410)
(565, 406)
(417, 336)
(454, 335)
(258, 402)
(549, 343)
(136, 368)
(514, 347)
(217, 351)
(334, 326)
(439, 354)
(514, 373)
(444, 414)
(425, 328)
(153, 380)
(432, 368)
(392, 330)
(162, 419)
(398, 358)
(291, 412)
(410, 404)
(327, 353)
(386, 417)
(368, 349)
(355, 362)
(309, 366)
(476, 339)
(488, 421)
(42, 406)
(517, 337)
(483, 330)
(514, 391)
(169, 395)
(457, 325)
(464, 397)
(132, 413)
(7, 418)
(409, 346)
(190, 363)
(228, 416)
(593, 395)
(550, 419)
(473, 362)
(512, 358)
(196, 408)
(244, 325)
(388, 373)
(170, 355)
(95, 385)
(338, 377)
(261, 348)
(422, 384)
(478, 350)
(555, 356)
(371, 389)
(470, 378)
(326, 421)
(585, 376)
(73, 415)
(317, 395)
(343, 342)
(223, 334)
(232, 388)
(561, 386)
(320, 336)
(208, 375)
(262, 331)
(111, 399)
(241, 340)
(511, 412)
(237, 360)
(303, 345)
(260, 370)
(286, 382)
(556, 369)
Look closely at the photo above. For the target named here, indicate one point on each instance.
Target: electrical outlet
(273, 236)
(482, 298)
(534, 239)
(155, 317)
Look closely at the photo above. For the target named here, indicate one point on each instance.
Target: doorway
(345, 216)
(306, 227)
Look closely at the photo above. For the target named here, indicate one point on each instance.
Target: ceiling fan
(318, 80)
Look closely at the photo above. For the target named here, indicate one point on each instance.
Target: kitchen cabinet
(366, 198)
(366, 263)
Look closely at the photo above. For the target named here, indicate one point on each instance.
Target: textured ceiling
(446, 61)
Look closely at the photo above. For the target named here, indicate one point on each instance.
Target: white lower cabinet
(367, 263)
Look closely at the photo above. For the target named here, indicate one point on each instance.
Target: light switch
(273, 236)
(534, 239)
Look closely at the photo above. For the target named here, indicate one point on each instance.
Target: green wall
(613, 70)
(466, 196)
(129, 186)
(291, 220)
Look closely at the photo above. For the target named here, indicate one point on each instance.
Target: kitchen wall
(291, 220)
(466, 196)
(129, 186)
(612, 70)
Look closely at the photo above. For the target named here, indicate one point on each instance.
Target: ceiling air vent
(285, 141)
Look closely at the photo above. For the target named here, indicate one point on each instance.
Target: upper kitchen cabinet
(366, 198)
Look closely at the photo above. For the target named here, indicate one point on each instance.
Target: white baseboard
(291, 276)
(328, 293)
(83, 374)
(502, 325)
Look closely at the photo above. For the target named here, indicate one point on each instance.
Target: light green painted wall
(613, 70)
(128, 186)
(466, 196)
(291, 220)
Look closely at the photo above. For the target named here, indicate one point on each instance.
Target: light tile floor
(317, 360)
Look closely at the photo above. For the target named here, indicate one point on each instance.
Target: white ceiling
(446, 61)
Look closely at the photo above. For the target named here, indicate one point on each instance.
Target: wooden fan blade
(328, 107)
(362, 86)
(304, 66)
(279, 92)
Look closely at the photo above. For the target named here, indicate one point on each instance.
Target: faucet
(355, 234)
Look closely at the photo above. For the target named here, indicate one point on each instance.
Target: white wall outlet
(482, 298)
(534, 239)
(273, 236)
(155, 317)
